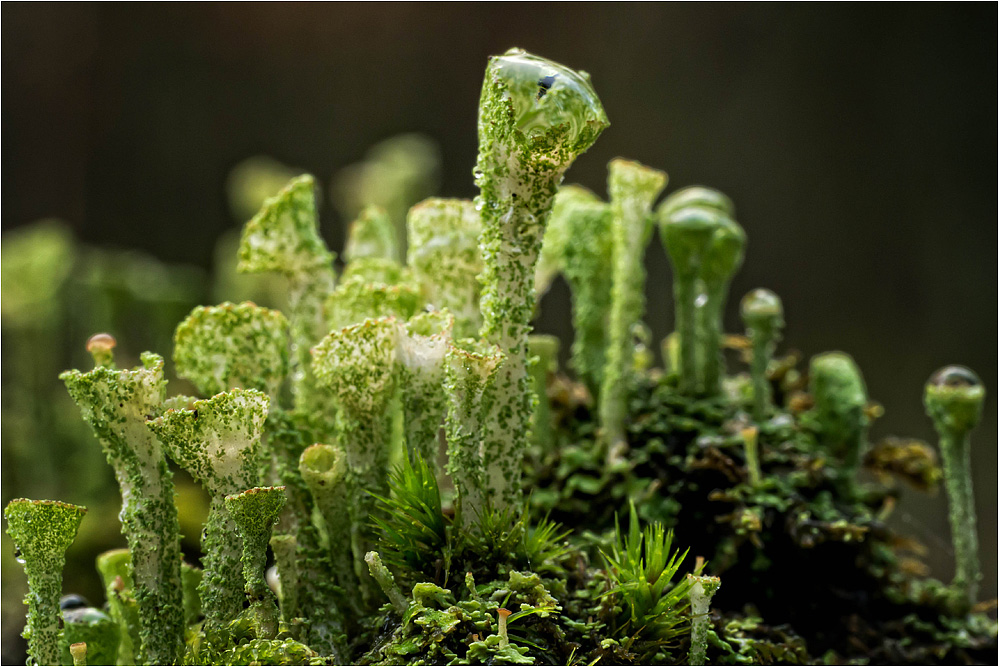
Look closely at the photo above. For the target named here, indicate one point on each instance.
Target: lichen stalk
(116, 404)
(386, 582)
(218, 442)
(79, 653)
(535, 118)
(701, 591)
(372, 234)
(423, 343)
(325, 471)
(42, 531)
(254, 512)
(446, 260)
(839, 415)
(723, 258)
(115, 568)
(469, 375)
(763, 315)
(953, 398)
(544, 363)
(633, 190)
(285, 549)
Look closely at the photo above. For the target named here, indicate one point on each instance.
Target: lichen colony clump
(399, 473)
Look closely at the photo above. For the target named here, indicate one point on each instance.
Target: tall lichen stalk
(535, 118)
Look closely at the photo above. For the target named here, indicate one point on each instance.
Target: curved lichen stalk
(218, 442)
(535, 118)
(254, 512)
(423, 343)
(470, 371)
(42, 531)
(284, 237)
(223, 347)
(117, 404)
(633, 190)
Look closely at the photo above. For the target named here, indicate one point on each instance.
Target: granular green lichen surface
(400, 473)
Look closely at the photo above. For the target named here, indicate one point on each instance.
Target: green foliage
(642, 567)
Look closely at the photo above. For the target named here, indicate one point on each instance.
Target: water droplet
(955, 377)
(701, 300)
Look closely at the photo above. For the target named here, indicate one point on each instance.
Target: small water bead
(955, 377)
(761, 303)
(73, 601)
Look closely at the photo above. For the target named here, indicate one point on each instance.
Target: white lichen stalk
(423, 344)
(535, 118)
(218, 442)
(117, 404)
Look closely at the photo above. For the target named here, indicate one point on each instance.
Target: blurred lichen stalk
(367, 433)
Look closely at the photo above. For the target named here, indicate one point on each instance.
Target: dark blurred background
(858, 142)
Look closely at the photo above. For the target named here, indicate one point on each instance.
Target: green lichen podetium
(115, 568)
(357, 366)
(689, 220)
(254, 511)
(535, 118)
(356, 299)
(763, 315)
(218, 442)
(587, 262)
(470, 372)
(445, 258)
(386, 582)
(324, 469)
(633, 190)
(227, 346)
(423, 344)
(372, 234)
(702, 589)
(953, 398)
(839, 416)
(284, 237)
(42, 531)
(117, 404)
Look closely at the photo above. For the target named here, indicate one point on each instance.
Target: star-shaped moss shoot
(372, 234)
(284, 237)
(324, 469)
(42, 531)
(357, 299)
(423, 343)
(254, 512)
(587, 262)
(218, 442)
(116, 404)
(227, 346)
(470, 371)
(357, 366)
(633, 190)
(703, 244)
(763, 315)
(953, 398)
(445, 258)
(702, 589)
(840, 396)
(535, 118)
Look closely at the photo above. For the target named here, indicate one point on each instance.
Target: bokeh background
(858, 142)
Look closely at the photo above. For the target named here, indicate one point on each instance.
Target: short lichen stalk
(535, 118)
(116, 404)
(633, 190)
(839, 415)
(469, 375)
(688, 222)
(544, 364)
(324, 469)
(218, 442)
(254, 511)
(115, 568)
(702, 589)
(423, 343)
(953, 398)
(42, 531)
(386, 582)
(763, 315)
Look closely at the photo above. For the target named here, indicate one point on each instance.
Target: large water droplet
(546, 94)
(955, 377)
